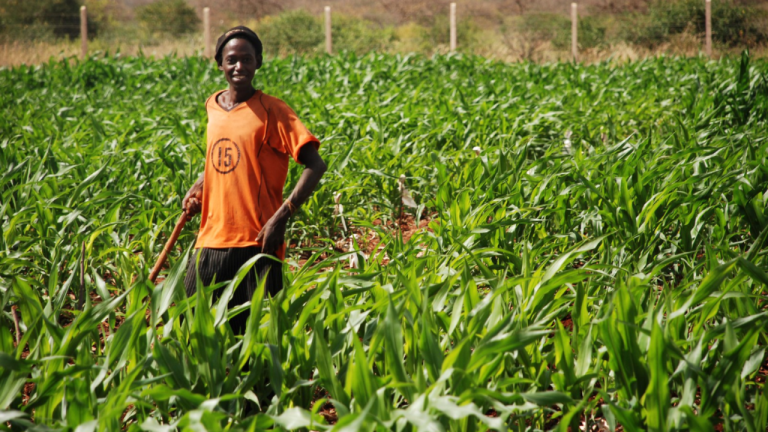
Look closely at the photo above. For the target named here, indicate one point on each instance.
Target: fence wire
(516, 37)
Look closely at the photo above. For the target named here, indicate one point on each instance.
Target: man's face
(239, 62)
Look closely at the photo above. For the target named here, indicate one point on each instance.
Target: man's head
(239, 54)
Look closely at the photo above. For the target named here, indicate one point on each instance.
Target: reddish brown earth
(567, 322)
(367, 240)
(328, 411)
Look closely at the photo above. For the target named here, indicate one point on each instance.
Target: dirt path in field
(368, 241)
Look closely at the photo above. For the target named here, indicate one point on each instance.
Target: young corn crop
(588, 249)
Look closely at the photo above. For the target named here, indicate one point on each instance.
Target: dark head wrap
(238, 32)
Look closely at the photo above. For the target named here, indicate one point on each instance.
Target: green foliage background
(299, 32)
(602, 257)
(36, 19)
(557, 29)
(168, 17)
(732, 24)
(489, 29)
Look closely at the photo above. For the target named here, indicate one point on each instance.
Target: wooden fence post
(328, 41)
(708, 26)
(207, 31)
(83, 32)
(575, 31)
(453, 27)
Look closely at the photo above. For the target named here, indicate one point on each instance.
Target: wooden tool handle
(168, 246)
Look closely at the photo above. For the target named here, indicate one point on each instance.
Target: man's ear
(221, 68)
(259, 62)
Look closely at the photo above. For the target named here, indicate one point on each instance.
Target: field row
(601, 261)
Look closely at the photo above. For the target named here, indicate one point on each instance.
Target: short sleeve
(287, 134)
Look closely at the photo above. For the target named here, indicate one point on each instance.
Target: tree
(171, 17)
(59, 17)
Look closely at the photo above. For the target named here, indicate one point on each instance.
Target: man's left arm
(272, 235)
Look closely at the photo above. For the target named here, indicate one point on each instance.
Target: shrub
(41, 19)
(542, 26)
(410, 37)
(557, 29)
(292, 32)
(359, 35)
(731, 24)
(168, 17)
(734, 25)
(299, 32)
(591, 33)
(437, 32)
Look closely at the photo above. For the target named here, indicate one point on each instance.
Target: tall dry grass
(36, 52)
(490, 44)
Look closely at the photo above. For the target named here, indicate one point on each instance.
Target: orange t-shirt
(246, 167)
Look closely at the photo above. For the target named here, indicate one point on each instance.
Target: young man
(251, 136)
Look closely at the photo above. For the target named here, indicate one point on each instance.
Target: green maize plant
(588, 250)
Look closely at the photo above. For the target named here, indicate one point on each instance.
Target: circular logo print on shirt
(225, 155)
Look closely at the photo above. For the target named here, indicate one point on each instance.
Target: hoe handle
(168, 246)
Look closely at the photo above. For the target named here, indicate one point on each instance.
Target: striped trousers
(223, 264)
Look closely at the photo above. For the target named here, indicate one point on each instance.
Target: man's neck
(238, 95)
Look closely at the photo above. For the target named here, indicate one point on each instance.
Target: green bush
(299, 32)
(359, 36)
(557, 29)
(168, 17)
(292, 32)
(732, 25)
(540, 27)
(42, 19)
(437, 31)
(591, 33)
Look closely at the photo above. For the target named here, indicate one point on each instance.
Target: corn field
(572, 247)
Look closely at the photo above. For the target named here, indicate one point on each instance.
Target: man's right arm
(193, 200)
